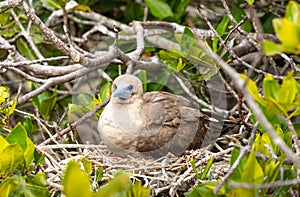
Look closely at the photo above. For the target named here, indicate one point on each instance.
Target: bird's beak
(123, 92)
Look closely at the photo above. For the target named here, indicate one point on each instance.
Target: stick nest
(166, 176)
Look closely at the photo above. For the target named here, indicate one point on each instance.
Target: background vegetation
(52, 51)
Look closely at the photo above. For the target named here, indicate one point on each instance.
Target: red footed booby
(153, 123)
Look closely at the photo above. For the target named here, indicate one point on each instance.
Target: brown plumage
(153, 123)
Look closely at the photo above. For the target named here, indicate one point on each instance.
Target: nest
(166, 176)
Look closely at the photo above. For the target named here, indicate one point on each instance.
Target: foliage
(17, 154)
(278, 99)
(252, 170)
(6, 107)
(76, 182)
(21, 173)
(287, 30)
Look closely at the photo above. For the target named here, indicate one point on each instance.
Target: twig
(74, 124)
(273, 185)
(243, 152)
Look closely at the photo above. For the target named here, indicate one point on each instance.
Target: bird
(154, 123)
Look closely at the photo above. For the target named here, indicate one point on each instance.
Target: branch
(239, 83)
(48, 33)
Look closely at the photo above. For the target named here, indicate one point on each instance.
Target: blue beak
(123, 92)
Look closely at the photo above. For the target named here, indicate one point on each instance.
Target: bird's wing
(167, 109)
(169, 120)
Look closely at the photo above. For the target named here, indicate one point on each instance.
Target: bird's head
(126, 89)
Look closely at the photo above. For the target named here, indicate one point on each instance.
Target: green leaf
(83, 8)
(238, 13)
(261, 141)
(221, 29)
(45, 102)
(37, 185)
(196, 55)
(250, 2)
(114, 186)
(181, 8)
(281, 99)
(192, 161)
(11, 157)
(288, 33)
(157, 80)
(292, 12)
(236, 175)
(36, 35)
(4, 93)
(173, 58)
(252, 88)
(4, 17)
(252, 174)
(180, 65)
(38, 158)
(288, 89)
(272, 169)
(3, 143)
(204, 173)
(287, 30)
(76, 109)
(29, 124)
(24, 48)
(52, 4)
(271, 48)
(18, 135)
(84, 99)
(143, 77)
(271, 87)
(137, 190)
(159, 8)
(288, 139)
(29, 153)
(87, 165)
(75, 181)
(99, 174)
(206, 190)
(296, 112)
(105, 91)
(13, 106)
(47, 105)
(12, 186)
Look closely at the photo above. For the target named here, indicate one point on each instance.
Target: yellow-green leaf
(252, 88)
(138, 190)
(271, 87)
(252, 174)
(250, 2)
(29, 152)
(105, 91)
(293, 12)
(3, 143)
(75, 181)
(271, 48)
(4, 93)
(11, 157)
(288, 34)
(288, 89)
(37, 185)
(11, 186)
(115, 185)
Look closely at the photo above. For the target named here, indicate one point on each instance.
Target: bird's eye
(114, 86)
(130, 87)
